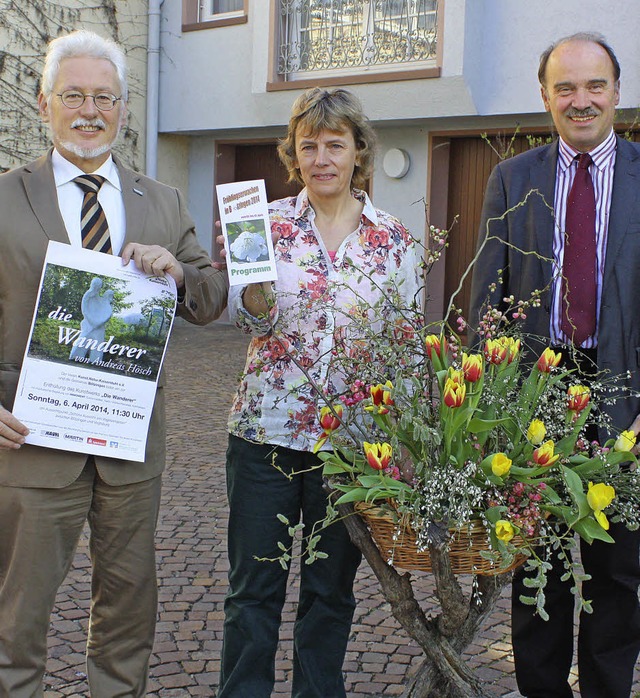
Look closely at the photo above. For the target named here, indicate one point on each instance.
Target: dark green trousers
(258, 492)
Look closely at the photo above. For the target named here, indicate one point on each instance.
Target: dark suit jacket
(30, 217)
(526, 258)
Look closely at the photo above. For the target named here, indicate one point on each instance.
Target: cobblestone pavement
(202, 366)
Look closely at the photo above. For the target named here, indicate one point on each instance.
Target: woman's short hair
(83, 44)
(317, 110)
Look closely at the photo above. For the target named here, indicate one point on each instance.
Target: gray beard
(87, 153)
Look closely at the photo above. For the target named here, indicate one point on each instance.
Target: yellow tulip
(513, 347)
(536, 432)
(600, 495)
(625, 441)
(500, 464)
(504, 530)
(602, 519)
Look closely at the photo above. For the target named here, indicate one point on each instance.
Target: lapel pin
(138, 192)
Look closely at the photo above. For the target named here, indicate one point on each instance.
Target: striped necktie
(95, 230)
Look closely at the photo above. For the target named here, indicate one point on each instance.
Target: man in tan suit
(47, 495)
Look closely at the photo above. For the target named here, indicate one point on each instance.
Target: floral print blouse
(289, 357)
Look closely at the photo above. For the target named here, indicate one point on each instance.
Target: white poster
(244, 215)
(97, 342)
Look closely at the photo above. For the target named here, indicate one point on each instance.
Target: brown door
(261, 161)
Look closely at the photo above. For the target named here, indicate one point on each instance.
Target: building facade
(446, 83)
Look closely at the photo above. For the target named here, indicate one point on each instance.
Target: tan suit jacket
(29, 218)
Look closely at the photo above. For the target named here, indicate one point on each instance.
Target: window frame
(367, 74)
(192, 19)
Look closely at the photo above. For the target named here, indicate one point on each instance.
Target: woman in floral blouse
(337, 257)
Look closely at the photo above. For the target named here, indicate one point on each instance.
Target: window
(216, 9)
(329, 38)
(204, 14)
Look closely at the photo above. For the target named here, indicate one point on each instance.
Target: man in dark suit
(47, 495)
(579, 78)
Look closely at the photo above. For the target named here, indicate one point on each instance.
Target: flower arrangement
(437, 434)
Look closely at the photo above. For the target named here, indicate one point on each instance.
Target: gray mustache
(583, 112)
(88, 122)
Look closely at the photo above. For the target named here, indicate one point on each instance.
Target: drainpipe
(153, 81)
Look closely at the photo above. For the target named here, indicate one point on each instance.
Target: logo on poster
(50, 434)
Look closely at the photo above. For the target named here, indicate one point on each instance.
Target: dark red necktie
(579, 267)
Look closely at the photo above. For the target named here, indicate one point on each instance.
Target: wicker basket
(398, 545)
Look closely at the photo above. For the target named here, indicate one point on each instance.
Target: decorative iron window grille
(350, 35)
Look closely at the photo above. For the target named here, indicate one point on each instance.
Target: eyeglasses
(104, 101)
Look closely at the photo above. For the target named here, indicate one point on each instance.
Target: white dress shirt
(70, 198)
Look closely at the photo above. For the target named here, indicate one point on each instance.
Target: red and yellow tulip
(330, 418)
(577, 398)
(454, 392)
(378, 455)
(436, 345)
(381, 396)
(544, 455)
(472, 366)
(548, 359)
(496, 351)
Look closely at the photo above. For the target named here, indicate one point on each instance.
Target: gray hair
(83, 44)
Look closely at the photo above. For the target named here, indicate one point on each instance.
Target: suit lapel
(134, 195)
(624, 206)
(40, 188)
(543, 178)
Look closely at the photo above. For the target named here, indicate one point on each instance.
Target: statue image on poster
(97, 310)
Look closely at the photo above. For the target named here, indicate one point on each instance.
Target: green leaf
(478, 425)
(494, 514)
(589, 530)
(335, 468)
(576, 490)
(352, 494)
